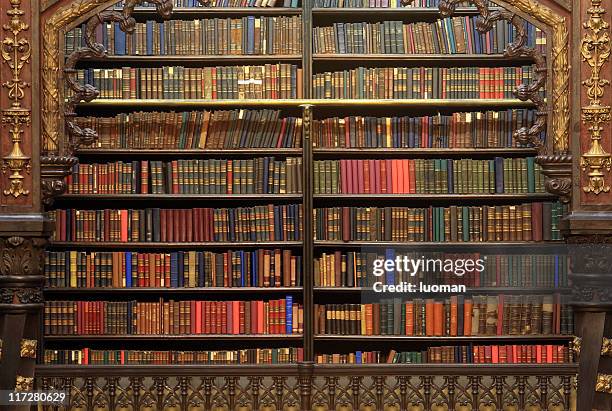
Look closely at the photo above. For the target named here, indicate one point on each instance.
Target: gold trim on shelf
(606, 347)
(28, 348)
(595, 50)
(24, 383)
(16, 54)
(604, 383)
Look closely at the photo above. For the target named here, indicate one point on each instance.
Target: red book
(196, 225)
(360, 177)
(429, 317)
(377, 177)
(409, 318)
(347, 132)
(536, 221)
(453, 315)
(144, 177)
(383, 176)
(235, 317)
(412, 176)
(175, 178)
(467, 317)
(438, 318)
(394, 174)
(372, 177)
(344, 176)
(346, 224)
(124, 225)
(162, 226)
(253, 320)
(495, 354)
(389, 171)
(367, 182)
(189, 225)
(500, 314)
(539, 354)
(260, 317)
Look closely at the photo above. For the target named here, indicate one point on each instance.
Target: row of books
(538, 221)
(453, 316)
(421, 82)
(355, 269)
(458, 354)
(396, 4)
(270, 81)
(226, 3)
(263, 175)
(453, 35)
(428, 176)
(250, 35)
(489, 129)
(196, 130)
(89, 356)
(259, 223)
(128, 269)
(272, 317)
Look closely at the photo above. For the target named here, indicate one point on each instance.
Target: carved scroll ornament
(595, 50)
(16, 52)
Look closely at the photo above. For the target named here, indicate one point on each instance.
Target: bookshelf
(309, 113)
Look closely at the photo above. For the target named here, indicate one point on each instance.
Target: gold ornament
(595, 50)
(28, 348)
(24, 383)
(604, 383)
(16, 54)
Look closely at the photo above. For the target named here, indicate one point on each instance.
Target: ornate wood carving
(329, 388)
(16, 52)
(604, 383)
(595, 50)
(28, 348)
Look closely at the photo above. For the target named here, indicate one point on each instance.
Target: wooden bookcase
(309, 109)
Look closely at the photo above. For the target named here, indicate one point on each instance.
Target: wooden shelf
(193, 12)
(197, 153)
(387, 12)
(319, 369)
(470, 290)
(433, 197)
(393, 152)
(474, 338)
(176, 290)
(174, 246)
(416, 103)
(182, 337)
(198, 58)
(179, 197)
(472, 59)
(441, 245)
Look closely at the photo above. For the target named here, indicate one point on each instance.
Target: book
(458, 354)
(260, 223)
(428, 176)
(421, 82)
(452, 35)
(489, 129)
(196, 130)
(507, 223)
(127, 269)
(271, 81)
(429, 319)
(90, 356)
(170, 317)
(263, 175)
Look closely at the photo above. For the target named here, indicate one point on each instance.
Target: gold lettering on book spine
(595, 50)
(16, 52)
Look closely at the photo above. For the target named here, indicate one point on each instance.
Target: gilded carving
(28, 348)
(595, 51)
(24, 383)
(16, 52)
(604, 383)
(22, 256)
(606, 347)
(576, 345)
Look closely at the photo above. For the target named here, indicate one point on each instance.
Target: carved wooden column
(23, 227)
(589, 225)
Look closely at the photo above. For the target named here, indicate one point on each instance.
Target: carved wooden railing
(314, 387)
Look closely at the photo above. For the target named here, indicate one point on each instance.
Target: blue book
(254, 265)
(180, 271)
(128, 269)
(250, 35)
(289, 314)
(358, 358)
(150, 38)
(390, 275)
(119, 40)
(174, 270)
